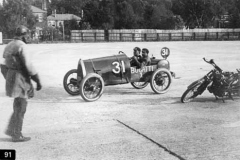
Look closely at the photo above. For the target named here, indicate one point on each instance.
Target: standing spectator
(20, 71)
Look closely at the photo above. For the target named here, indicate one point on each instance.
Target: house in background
(41, 21)
(57, 20)
(39, 13)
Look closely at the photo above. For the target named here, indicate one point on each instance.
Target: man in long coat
(18, 70)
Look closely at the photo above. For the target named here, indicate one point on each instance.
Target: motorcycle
(221, 84)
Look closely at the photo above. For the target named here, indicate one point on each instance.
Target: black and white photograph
(120, 79)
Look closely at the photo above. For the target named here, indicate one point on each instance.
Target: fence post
(217, 35)
(145, 36)
(158, 37)
(106, 35)
(120, 34)
(205, 35)
(170, 36)
(95, 36)
(182, 36)
(194, 36)
(82, 36)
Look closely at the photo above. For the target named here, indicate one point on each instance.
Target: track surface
(126, 123)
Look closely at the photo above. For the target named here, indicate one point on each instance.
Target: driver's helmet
(21, 30)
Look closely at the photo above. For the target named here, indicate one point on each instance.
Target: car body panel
(116, 69)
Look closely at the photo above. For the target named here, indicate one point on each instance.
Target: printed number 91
(7, 154)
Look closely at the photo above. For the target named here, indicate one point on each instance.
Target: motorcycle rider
(20, 72)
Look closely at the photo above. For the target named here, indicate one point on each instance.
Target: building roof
(37, 10)
(63, 17)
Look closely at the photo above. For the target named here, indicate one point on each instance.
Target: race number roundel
(165, 52)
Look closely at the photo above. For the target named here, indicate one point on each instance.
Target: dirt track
(126, 123)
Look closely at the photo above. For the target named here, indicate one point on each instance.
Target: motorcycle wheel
(70, 82)
(190, 93)
(91, 87)
(139, 85)
(161, 81)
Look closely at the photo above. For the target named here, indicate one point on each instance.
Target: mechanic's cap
(137, 49)
(21, 30)
(145, 50)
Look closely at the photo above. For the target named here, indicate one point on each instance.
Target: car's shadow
(117, 90)
(55, 95)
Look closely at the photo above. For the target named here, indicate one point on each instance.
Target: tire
(70, 82)
(139, 85)
(161, 81)
(91, 87)
(190, 93)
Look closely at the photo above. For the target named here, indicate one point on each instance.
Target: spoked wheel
(190, 93)
(70, 82)
(161, 81)
(139, 85)
(91, 87)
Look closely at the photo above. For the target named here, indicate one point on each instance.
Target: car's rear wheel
(70, 82)
(161, 81)
(139, 85)
(91, 87)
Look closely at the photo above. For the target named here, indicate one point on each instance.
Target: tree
(196, 14)
(158, 16)
(124, 16)
(68, 26)
(99, 14)
(90, 11)
(234, 12)
(67, 6)
(14, 13)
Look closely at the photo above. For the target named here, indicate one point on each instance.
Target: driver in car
(135, 60)
(145, 60)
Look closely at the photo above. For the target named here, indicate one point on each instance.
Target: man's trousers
(16, 121)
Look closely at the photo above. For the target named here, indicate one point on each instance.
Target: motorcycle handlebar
(211, 61)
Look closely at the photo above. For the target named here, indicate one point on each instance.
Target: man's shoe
(21, 139)
(9, 133)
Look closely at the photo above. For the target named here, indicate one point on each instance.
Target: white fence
(154, 35)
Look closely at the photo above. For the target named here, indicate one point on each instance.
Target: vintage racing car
(92, 75)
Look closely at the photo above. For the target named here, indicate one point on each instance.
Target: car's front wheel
(161, 80)
(91, 87)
